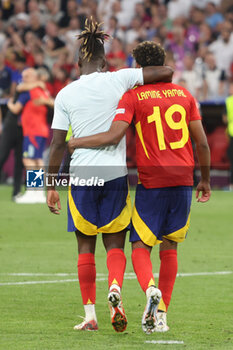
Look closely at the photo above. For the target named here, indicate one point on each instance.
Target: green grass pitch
(41, 316)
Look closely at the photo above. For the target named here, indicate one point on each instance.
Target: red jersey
(34, 118)
(161, 113)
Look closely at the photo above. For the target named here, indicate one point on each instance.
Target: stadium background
(43, 34)
(39, 304)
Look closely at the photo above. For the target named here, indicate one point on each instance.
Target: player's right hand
(204, 188)
(71, 145)
(53, 201)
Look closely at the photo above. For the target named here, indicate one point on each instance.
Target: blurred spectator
(36, 26)
(191, 77)
(222, 48)
(113, 30)
(135, 31)
(72, 33)
(18, 64)
(179, 45)
(178, 8)
(213, 83)
(61, 79)
(53, 45)
(72, 11)
(5, 77)
(213, 17)
(116, 57)
(53, 12)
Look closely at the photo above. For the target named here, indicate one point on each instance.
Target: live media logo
(35, 178)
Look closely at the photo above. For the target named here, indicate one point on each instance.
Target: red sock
(167, 275)
(87, 276)
(116, 262)
(143, 267)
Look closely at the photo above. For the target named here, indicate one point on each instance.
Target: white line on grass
(164, 342)
(128, 276)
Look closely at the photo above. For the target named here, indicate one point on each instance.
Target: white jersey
(89, 105)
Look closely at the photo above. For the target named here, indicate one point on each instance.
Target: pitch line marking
(128, 276)
(164, 342)
(62, 274)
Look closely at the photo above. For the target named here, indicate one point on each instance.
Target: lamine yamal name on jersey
(145, 95)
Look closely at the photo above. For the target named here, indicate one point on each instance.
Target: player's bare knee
(86, 244)
(168, 244)
(114, 240)
(140, 244)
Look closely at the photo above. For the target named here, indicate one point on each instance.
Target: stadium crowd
(196, 34)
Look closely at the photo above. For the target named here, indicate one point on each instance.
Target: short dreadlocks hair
(92, 45)
(148, 53)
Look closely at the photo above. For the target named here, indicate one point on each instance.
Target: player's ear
(138, 65)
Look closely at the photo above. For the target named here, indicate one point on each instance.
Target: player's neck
(89, 69)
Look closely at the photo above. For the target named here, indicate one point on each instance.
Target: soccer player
(165, 115)
(35, 129)
(89, 106)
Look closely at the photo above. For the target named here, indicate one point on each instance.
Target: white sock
(90, 312)
(115, 286)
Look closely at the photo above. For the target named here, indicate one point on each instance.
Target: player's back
(89, 105)
(164, 150)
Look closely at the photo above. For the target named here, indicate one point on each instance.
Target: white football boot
(161, 322)
(149, 316)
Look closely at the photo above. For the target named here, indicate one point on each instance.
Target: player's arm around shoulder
(103, 139)
(199, 137)
(154, 74)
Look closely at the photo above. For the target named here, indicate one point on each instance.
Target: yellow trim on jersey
(162, 306)
(139, 131)
(80, 222)
(179, 235)
(121, 221)
(143, 230)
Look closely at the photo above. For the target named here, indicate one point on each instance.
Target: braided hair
(148, 53)
(92, 46)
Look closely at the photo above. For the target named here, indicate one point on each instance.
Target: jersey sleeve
(23, 98)
(60, 118)
(129, 77)
(194, 110)
(125, 109)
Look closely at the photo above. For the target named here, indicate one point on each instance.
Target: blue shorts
(33, 147)
(161, 212)
(94, 209)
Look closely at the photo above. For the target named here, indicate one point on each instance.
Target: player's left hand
(204, 188)
(53, 202)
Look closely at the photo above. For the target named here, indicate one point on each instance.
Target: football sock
(167, 276)
(143, 268)
(87, 277)
(90, 312)
(116, 262)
